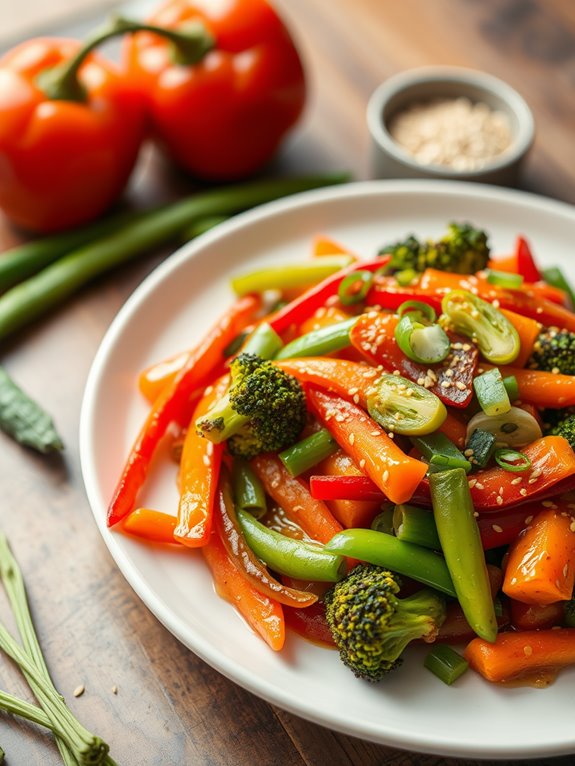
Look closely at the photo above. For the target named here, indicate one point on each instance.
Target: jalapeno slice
(469, 315)
(401, 406)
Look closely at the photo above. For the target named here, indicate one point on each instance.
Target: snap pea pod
(249, 493)
(24, 420)
(294, 558)
(415, 525)
(289, 276)
(398, 556)
(461, 544)
(308, 452)
(319, 342)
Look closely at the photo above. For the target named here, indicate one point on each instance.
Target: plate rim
(200, 646)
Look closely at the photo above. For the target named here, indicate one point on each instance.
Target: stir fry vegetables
(385, 456)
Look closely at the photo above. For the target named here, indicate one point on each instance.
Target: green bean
(289, 276)
(294, 558)
(308, 452)
(248, 491)
(387, 551)
(445, 663)
(461, 544)
(440, 451)
(319, 342)
(35, 296)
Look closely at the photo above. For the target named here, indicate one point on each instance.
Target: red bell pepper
(373, 336)
(526, 265)
(302, 307)
(173, 400)
(68, 144)
(223, 116)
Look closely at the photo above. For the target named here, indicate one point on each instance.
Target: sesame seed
(385, 475)
(479, 486)
(79, 690)
(555, 371)
(396, 372)
(449, 373)
(527, 651)
(496, 528)
(353, 390)
(499, 500)
(548, 504)
(529, 519)
(523, 491)
(517, 480)
(391, 435)
(461, 386)
(468, 452)
(472, 483)
(566, 570)
(420, 381)
(356, 398)
(351, 439)
(375, 433)
(362, 463)
(114, 689)
(445, 384)
(572, 526)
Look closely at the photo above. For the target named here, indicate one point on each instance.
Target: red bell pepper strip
(310, 623)
(497, 529)
(293, 495)
(172, 401)
(385, 293)
(526, 265)
(350, 514)
(200, 465)
(395, 473)
(452, 379)
(345, 488)
(304, 305)
(265, 615)
(224, 115)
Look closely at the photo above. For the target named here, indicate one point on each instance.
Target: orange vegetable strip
(541, 565)
(454, 429)
(293, 495)
(541, 388)
(528, 331)
(522, 654)
(394, 472)
(323, 245)
(323, 317)
(156, 376)
(263, 614)
(349, 513)
(229, 531)
(149, 524)
(507, 263)
(199, 472)
(172, 401)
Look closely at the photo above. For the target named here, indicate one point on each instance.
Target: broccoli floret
(371, 626)
(463, 250)
(264, 409)
(560, 423)
(554, 349)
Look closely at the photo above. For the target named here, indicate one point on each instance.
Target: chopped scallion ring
(355, 287)
(422, 308)
(504, 279)
(508, 460)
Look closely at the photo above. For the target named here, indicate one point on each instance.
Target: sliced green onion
(512, 388)
(401, 406)
(249, 493)
(504, 279)
(419, 306)
(320, 342)
(354, 287)
(491, 393)
(441, 451)
(415, 525)
(555, 277)
(423, 343)
(480, 447)
(290, 275)
(511, 460)
(303, 455)
(445, 663)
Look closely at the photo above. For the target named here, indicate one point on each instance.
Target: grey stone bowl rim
(469, 80)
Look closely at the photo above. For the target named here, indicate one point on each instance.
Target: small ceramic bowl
(416, 86)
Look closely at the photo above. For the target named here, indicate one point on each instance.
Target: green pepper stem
(190, 43)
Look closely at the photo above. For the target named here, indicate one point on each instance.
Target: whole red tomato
(224, 116)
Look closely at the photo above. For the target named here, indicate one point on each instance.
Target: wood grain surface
(171, 709)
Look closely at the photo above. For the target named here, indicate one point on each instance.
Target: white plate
(168, 312)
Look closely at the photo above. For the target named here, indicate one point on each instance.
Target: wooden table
(171, 708)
